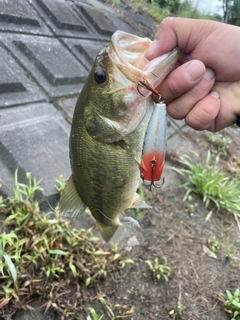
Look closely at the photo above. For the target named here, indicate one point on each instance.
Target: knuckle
(175, 88)
(175, 111)
(201, 90)
(194, 122)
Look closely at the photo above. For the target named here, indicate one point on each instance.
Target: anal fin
(71, 205)
(139, 203)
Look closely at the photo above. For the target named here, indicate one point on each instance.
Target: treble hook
(143, 84)
(153, 165)
(146, 86)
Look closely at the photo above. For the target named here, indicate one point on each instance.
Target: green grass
(232, 304)
(220, 143)
(214, 185)
(94, 314)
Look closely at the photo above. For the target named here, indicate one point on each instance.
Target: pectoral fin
(102, 128)
(71, 205)
(139, 203)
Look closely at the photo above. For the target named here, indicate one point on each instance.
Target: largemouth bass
(109, 125)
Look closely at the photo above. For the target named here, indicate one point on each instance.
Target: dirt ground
(173, 230)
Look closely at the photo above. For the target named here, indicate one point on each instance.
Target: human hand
(205, 87)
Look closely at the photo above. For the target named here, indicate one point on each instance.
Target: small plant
(214, 244)
(107, 307)
(61, 183)
(221, 144)
(208, 180)
(94, 315)
(232, 304)
(180, 307)
(159, 271)
(231, 251)
(191, 206)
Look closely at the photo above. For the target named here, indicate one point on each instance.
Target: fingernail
(154, 46)
(194, 70)
(214, 94)
(209, 74)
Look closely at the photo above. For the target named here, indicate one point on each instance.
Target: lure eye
(100, 76)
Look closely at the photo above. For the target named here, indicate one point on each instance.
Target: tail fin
(107, 232)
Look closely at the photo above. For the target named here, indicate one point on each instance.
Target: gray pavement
(47, 48)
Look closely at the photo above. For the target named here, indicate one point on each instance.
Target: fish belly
(106, 176)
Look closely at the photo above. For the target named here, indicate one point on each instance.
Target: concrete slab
(33, 138)
(16, 87)
(85, 50)
(49, 62)
(62, 19)
(66, 106)
(102, 21)
(20, 17)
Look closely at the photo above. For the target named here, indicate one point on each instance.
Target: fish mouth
(127, 53)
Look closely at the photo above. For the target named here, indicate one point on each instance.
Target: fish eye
(100, 76)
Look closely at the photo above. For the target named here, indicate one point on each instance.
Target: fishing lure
(155, 142)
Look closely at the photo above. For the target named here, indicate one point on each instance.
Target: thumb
(177, 32)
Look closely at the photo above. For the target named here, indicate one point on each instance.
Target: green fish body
(108, 130)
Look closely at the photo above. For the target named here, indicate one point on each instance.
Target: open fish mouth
(127, 53)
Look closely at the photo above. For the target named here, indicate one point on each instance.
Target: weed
(160, 9)
(94, 314)
(2, 203)
(150, 7)
(6, 256)
(43, 252)
(157, 12)
(231, 251)
(180, 307)
(107, 307)
(191, 206)
(159, 270)
(214, 244)
(209, 181)
(221, 144)
(232, 304)
(61, 183)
